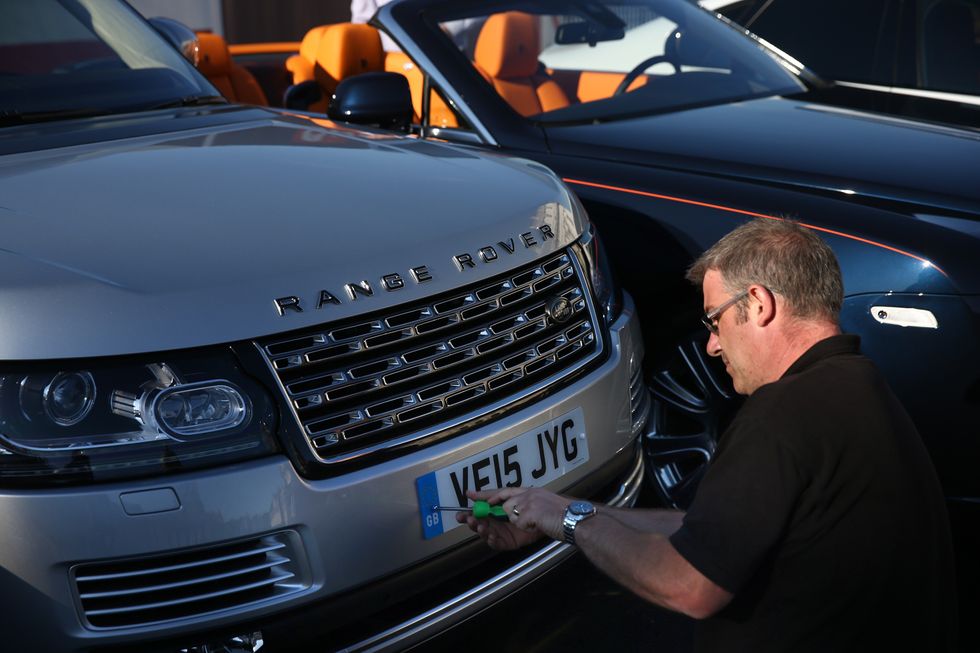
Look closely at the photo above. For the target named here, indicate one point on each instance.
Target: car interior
(505, 54)
(235, 82)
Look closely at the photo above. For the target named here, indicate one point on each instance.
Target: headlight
(608, 295)
(91, 420)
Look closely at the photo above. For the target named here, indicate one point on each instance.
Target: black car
(673, 126)
(917, 58)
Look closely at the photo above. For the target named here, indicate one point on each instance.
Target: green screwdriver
(480, 510)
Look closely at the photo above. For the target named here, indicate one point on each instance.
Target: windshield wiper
(190, 101)
(10, 117)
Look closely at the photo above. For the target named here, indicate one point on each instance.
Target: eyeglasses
(710, 318)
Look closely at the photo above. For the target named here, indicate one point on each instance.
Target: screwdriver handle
(482, 510)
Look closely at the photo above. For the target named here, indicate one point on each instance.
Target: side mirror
(381, 99)
(180, 36)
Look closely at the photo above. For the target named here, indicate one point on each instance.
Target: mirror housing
(587, 32)
(381, 99)
(180, 36)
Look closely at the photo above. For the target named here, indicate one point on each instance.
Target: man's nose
(714, 346)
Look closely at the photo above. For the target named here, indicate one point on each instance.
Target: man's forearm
(634, 557)
(665, 522)
(631, 546)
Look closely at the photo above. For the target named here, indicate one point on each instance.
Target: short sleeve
(743, 506)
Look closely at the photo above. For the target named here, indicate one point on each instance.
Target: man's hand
(533, 513)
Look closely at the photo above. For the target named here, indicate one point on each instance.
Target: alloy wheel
(693, 402)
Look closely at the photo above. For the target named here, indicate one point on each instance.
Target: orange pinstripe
(753, 214)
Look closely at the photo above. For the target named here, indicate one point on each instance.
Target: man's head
(785, 289)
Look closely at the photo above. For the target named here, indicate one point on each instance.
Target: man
(362, 11)
(820, 525)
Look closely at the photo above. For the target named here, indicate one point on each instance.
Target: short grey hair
(785, 257)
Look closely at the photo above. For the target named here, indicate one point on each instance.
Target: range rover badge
(559, 310)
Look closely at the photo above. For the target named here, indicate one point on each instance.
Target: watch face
(581, 508)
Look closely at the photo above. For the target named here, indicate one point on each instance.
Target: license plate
(534, 458)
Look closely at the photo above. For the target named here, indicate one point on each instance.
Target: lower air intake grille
(366, 385)
(640, 401)
(142, 591)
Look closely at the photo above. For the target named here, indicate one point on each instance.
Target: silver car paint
(354, 528)
(185, 239)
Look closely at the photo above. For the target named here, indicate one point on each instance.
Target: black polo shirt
(822, 514)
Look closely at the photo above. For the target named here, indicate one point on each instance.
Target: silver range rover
(244, 353)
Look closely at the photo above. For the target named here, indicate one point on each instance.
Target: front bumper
(352, 535)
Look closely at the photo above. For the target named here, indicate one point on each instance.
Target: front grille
(369, 384)
(142, 591)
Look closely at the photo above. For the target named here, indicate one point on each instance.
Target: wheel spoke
(660, 446)
(684, 492)
(670, 389)
(706, 370)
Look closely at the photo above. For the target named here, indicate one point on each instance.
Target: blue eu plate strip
(428, 493)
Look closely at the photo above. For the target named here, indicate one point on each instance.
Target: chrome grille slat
(172, 568)
(187, 584)
(471, 340)
(364, 384)
(201, 597)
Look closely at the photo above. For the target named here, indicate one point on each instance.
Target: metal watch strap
(575, 513)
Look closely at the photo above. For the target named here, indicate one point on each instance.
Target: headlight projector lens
(69, 397)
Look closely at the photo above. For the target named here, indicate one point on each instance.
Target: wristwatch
(576, 512)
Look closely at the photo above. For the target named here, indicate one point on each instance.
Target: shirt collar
(832, 346)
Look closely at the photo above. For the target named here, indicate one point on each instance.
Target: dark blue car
(673, 127)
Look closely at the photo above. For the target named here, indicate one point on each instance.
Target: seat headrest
(508, 45)
(348, 49)
(215, 60)
(311, 42)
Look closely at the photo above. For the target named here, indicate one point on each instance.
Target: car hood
(785, 141)
(184, 239)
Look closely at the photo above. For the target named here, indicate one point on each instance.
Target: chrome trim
(904, 316)
(915, 92)
(465, 605)
(130, 592)
(453, 134)
(383, 20)
(641, 402)
(591, 319)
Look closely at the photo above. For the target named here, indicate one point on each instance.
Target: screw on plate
(883, 315)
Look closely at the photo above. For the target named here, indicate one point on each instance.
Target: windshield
(63, 58)
(589, 61)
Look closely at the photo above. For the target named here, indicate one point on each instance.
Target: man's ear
(763, 310)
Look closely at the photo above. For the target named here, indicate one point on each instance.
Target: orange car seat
(345, 50)
(233, 81)
(301, 65)
(507, 50)
(440, 115)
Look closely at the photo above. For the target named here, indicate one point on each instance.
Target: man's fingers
(496, 497)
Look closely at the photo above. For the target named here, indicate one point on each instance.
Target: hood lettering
(393, 281)
(489, 253)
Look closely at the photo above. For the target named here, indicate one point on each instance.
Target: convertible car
(674, 126)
